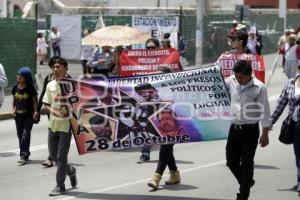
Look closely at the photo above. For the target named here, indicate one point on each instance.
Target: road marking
(145, 180)
(34, 148)
(274, 97)
(45, 146)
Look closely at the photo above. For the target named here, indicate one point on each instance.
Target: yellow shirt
(51, 97)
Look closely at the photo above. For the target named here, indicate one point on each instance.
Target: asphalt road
(117, 176)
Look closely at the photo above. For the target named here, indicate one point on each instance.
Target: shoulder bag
(286, 132)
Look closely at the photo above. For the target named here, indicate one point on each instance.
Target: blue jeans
(146, 150)
(56, 51)
(296, 144)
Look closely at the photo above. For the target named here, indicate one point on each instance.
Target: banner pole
(273, 69)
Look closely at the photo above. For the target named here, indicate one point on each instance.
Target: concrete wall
(131, 3)
(224, 4)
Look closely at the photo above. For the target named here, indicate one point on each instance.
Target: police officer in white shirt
(249, 106)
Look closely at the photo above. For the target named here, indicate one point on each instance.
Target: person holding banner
(48, 78)
(168, 125)
(166, 44)
(238, 42)
(102, 61)
(60, 135)
(148, 94)
(254, 43)
(249, 106)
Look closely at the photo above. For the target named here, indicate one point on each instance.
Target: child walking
(24, 110)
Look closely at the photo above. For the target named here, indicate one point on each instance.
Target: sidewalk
(75, 71)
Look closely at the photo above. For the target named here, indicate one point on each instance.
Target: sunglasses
(151, 47)
(233, 39)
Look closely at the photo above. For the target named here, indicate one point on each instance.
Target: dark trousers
(146, 150)
(166, 158)
(56, 51)
(59, 145)
(24, 126)
(85, 68)
(296, 144)
(102, 73)
(240, 152)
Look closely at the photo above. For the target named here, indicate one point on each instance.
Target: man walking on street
(60, 135)
(249, 105)
(55, 39)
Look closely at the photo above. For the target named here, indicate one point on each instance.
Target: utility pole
(242, 14)
(36, 17)
(282, 12)
(201, 11)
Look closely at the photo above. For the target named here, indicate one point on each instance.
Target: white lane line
(274, 97)
(145, 180)
(45, 146)
(34, 148)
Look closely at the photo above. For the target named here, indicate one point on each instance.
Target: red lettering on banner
(227, 60)
(148, 61)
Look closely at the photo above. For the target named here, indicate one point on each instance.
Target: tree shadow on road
(130, 196)
(179, 187)
(291, 189)
(177, 162)
(7, 154)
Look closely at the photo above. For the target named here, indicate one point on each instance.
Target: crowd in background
(244, 134)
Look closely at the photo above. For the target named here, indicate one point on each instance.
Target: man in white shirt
(3, 83)
(55, 39)
(249, 106)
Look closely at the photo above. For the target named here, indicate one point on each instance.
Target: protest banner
(148, 61)
(118, 113)
(227, 60)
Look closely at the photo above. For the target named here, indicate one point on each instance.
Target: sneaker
(144, 158)
(22, 161)
(48, 163)
(73, 178)
(58, 190)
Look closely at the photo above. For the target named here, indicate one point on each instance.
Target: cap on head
(293, 37)
(240, 26)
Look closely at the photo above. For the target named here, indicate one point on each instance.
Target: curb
(6, 115)
(9, 115)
